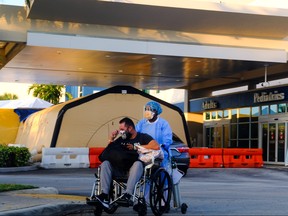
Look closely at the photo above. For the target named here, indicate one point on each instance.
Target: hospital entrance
(273, 140)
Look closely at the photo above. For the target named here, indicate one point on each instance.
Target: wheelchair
(156, 185)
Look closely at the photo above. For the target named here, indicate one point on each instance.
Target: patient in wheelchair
(120, 156)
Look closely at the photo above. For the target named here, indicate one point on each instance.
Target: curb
(41, 190)
(52, 210)
(18, 169)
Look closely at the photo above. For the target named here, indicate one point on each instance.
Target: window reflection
(282, 108)
(264, 110)
(220, 114)
(226, 114)
(213, 114)
(273, 109)
(244, 114)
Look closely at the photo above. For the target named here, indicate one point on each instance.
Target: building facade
(250, 119)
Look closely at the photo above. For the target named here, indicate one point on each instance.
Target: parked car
(180, 153)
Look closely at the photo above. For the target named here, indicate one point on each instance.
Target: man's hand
(130, 146)
(113, 136)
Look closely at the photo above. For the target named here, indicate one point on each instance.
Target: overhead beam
(155, 48)
(277, 70)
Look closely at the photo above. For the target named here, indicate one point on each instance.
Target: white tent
(25, 103)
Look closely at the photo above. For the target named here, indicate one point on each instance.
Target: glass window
(226, 114)
(234, 115)
(264, 110)
(233, 143)
(243, 131)
(273, 109)
(207, 115)
(254, 143)
(254, 130)
(282, 108)
(243, 143)
(213, 114)
(254, 113)
(220, 114)
(233, 131)
(208, 137)
(244, 114)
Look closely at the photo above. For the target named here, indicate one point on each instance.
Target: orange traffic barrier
(241, 158)
(93, 156)
(206, 157)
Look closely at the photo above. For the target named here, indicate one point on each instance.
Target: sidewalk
(42, 201)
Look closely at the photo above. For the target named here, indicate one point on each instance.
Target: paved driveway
(262, 191)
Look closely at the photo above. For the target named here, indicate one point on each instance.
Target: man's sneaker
(125, 200)
(103, 199)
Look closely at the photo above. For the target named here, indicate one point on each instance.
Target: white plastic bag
(149, 155)
(176, 175)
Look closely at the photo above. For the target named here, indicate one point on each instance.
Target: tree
(50, 93)
(8, 96)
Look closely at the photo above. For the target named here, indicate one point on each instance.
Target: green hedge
(14, 156)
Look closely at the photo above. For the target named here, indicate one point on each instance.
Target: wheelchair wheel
(98, 209)
(160, 192)
(184, 208)
(111, 210)
(142, 207)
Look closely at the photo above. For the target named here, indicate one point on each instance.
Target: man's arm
(152, 145)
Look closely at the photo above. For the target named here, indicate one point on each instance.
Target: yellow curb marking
(55, 196)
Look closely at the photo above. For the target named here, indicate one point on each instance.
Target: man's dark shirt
(119, 155)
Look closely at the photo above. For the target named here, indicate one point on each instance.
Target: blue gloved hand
(165, 147)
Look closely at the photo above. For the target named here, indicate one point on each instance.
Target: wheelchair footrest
(124, 203)
(91, 201)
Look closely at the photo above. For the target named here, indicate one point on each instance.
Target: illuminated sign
(267, 97)
(209, 105)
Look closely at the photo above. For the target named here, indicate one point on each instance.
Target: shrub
(11, 156)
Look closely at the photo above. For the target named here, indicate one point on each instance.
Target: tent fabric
(25, 103)
(88, 121)
(24, 113)
(9, 124)
(12, 112)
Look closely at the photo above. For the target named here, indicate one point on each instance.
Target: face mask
(149, 114)
(125, 134)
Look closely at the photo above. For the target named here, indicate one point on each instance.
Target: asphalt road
(259, 191)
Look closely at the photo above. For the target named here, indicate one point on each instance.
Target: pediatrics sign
(243, 99)
(268, 97)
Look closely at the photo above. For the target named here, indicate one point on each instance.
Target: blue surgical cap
(154, 106)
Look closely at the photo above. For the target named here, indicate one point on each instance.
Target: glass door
(273, 142)
(217, 136)
(281, 142)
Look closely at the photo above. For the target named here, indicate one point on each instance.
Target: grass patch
(12, 187)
